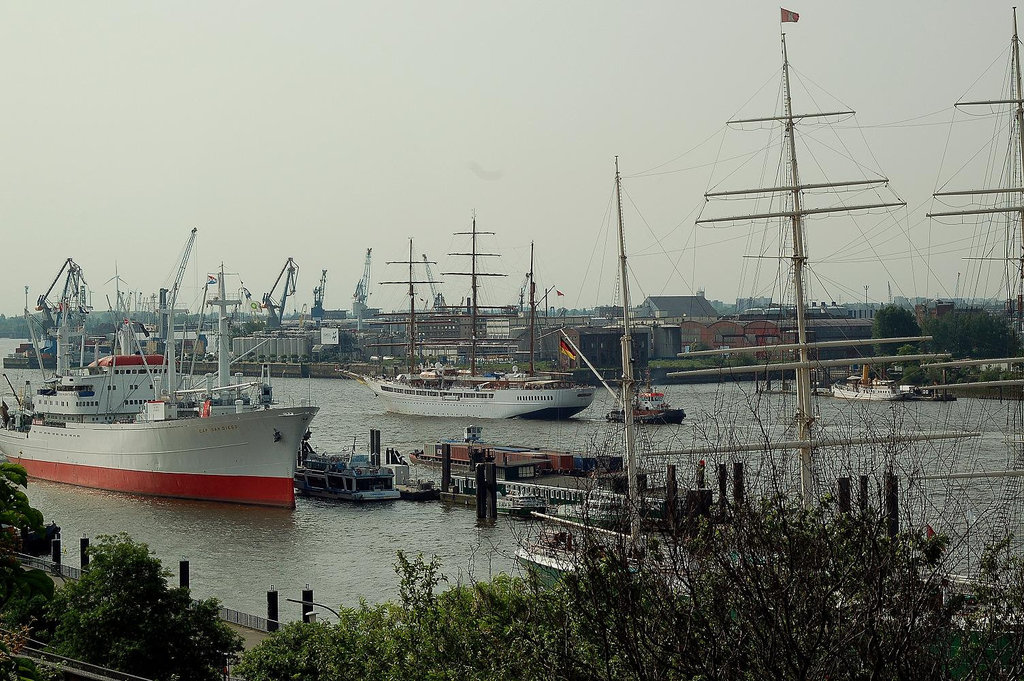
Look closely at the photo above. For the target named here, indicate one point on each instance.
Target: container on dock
(561, 462)
(584, 464)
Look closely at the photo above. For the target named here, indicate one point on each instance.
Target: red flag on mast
(789, 16)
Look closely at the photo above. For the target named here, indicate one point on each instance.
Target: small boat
(864, 387)
(650, 408)
(353, 477)
(520, 505)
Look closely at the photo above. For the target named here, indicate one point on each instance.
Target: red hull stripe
(240, 489)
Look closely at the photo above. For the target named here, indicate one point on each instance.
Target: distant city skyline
(318, 130)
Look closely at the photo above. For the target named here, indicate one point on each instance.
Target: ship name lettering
(217, 428)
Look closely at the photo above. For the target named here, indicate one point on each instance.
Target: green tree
(20, 589)
(122, 614)
(973, 335)
(893, 321)
(777, 591)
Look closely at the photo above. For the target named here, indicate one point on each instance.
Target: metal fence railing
(242, 619)
(47, 565)
(91, 671)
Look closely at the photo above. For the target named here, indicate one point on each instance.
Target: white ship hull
(246, 457)
(884, 394)
(466, 402)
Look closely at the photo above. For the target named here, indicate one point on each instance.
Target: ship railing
(554, 496)
(242, 619)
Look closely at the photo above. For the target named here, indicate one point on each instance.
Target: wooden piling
(844, 495)
(864, 493)
(491, 475)
(446, 467)
(892, 503)
(272, 613)
(671, 497)
(481, 492)
(723, 483)
(374, 447)
(307, 605)
(737, 482)
(83, 552)
(704, 502)
(183, 576)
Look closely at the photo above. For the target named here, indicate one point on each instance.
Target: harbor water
(346, 552)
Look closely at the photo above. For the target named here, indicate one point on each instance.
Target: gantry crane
(317, 311)
(275, 310)
(362, 293)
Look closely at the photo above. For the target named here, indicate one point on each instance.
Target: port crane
(437, 298)
(172, 380)
(275, 310)
(72, 283)
(362, 293)
(71, 309)
(317, 311)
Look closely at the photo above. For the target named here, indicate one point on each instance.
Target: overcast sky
(319, 129)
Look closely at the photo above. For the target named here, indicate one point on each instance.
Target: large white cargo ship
(122, 424)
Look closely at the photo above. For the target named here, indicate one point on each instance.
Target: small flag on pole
(564, 348)
(210, 280)
(789, 16)
(559, 292)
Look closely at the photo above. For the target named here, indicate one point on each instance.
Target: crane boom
(182, 267)
(275, 310)
(172, 380)
(437, 298)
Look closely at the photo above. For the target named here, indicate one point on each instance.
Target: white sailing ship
(441, 391)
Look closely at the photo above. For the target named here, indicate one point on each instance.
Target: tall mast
(412, 317)
(223, 330)
(1019, 326)
(1011, 207)
(804, 417)
(533, 313)
(627, 387)
(472, 292)
(474, 276)
(795, 214)
(411, 282)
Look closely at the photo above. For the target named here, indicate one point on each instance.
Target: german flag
(565, 349)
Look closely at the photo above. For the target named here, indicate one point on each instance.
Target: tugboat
(650, 408)
(351, 477)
